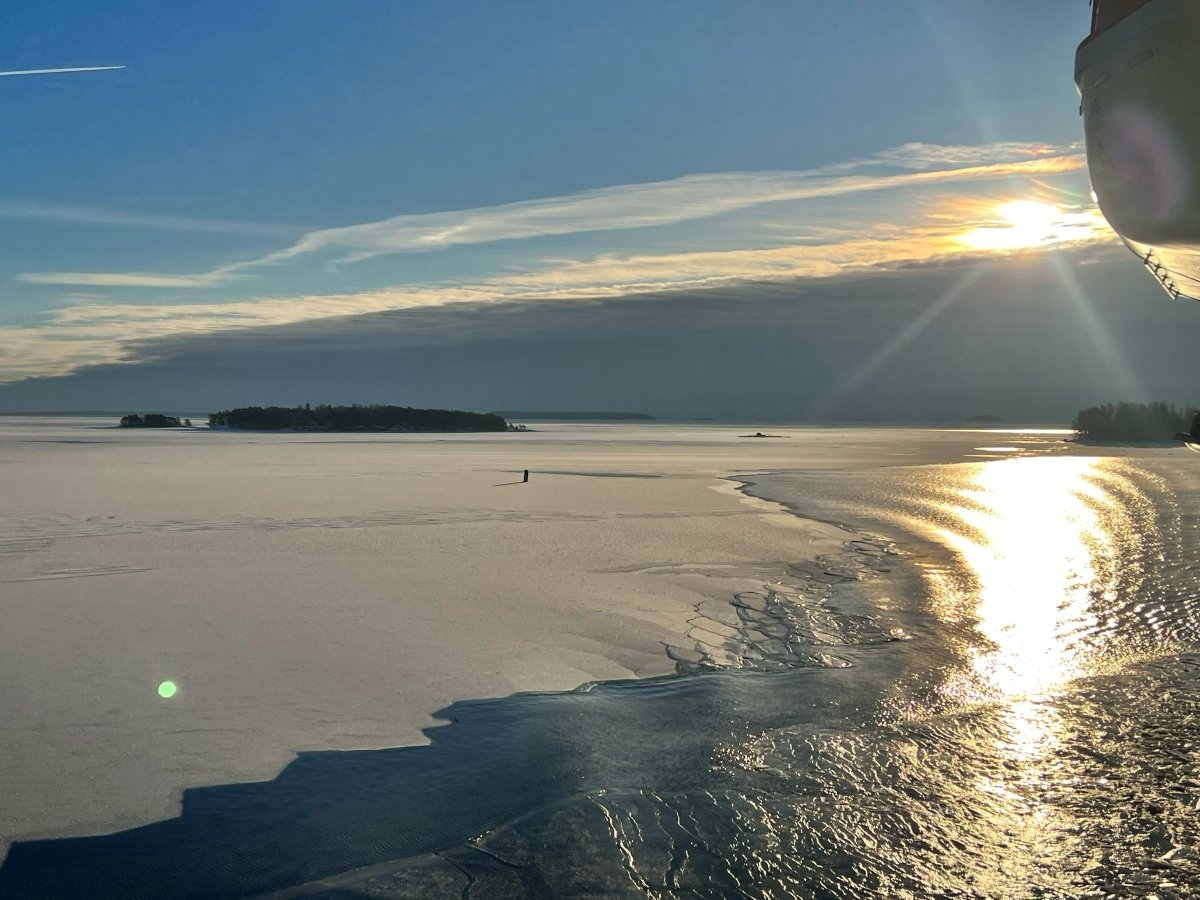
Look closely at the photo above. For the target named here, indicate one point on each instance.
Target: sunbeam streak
(1107, 349)
(905, 336)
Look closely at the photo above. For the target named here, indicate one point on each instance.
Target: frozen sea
(970, 667)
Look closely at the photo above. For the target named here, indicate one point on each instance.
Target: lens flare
(167, 690)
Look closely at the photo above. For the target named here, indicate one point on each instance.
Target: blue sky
(280, 164)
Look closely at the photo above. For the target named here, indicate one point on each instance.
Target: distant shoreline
(751, 422)
(568, 416)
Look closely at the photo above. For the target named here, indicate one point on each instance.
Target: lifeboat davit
(1138, 73)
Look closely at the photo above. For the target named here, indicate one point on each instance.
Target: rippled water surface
(1063, 726)
(993, 691)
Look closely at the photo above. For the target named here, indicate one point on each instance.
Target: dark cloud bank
(1013, 344)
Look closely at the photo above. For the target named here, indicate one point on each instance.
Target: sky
(780, 210)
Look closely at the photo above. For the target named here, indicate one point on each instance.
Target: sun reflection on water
(1030, 532)
(1041, 539)
(1044, 543)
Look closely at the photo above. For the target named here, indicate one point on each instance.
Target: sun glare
(1022, 224)
(1031, 215)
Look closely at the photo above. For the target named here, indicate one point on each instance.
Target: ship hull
(1140, 84)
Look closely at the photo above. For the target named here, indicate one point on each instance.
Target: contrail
(56, 71)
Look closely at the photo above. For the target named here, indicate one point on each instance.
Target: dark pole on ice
(526, 478)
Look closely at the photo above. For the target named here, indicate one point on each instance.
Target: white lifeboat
(1138, 73)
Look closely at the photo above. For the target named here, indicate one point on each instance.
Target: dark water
(993, 691)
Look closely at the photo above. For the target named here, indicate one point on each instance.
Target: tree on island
(355, 418)
(1132, 421)
(149, 420)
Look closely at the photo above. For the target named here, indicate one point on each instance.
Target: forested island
(1132, 422)
(152, 420)
(354, 418)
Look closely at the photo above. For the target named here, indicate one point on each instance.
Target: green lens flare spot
(167, 690)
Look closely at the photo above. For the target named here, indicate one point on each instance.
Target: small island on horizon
(354, 418)
(153, 420)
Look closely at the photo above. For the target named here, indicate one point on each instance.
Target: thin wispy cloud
(629, 207)
(130, 279)
(27, 211)
(919, 155)
(647, 205)
(12, 72)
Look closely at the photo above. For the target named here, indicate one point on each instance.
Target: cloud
(85, 333)
(59, 71)
(927, 228)
(129, 279)
(635, 206)
(682, 199)
(86, 215)
(850, 346)
(926, 156)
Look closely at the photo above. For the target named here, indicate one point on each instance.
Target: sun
(1031, 216)
(1020, 224)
